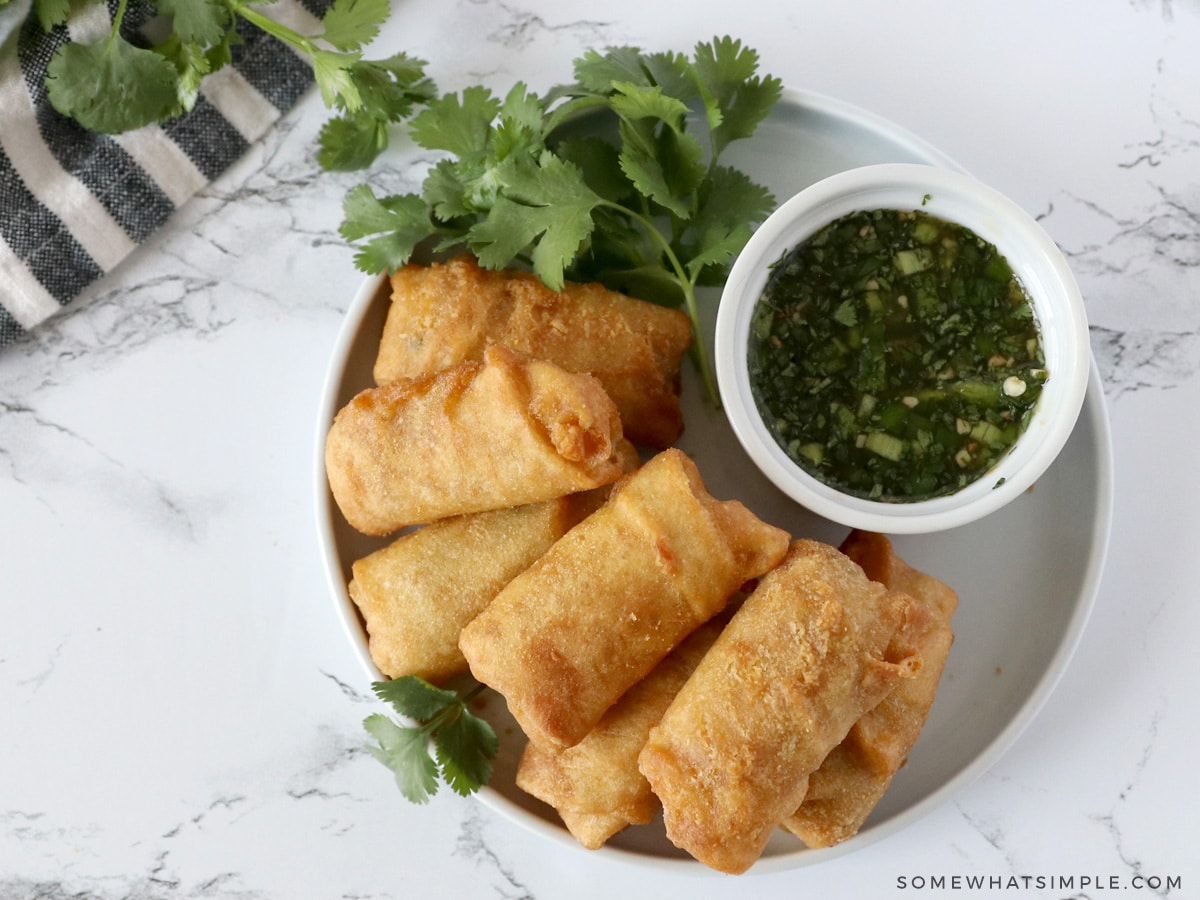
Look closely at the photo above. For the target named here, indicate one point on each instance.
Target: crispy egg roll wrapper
(500, 432)
(853, 778)
(445, 314)
(567, 637)
(595, 785)
(416, 594)
(815, 646)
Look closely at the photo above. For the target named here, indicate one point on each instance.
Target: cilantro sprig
(463, 744)
(114, 85)
(604, 179)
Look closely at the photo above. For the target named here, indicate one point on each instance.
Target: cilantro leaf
(349, 24)
(522, 108)
(202, 22)
(398, 223)
(51, 12)
(464, 745)
(406, 752)
(634, 102)
(456, 125)
(414, 696)
(509, 228)
(388, 91)
(736, 99)
(729, 202)
(111, 86)
(665, 164)
(221, 53)
(332, 72)
(598, 72)
(391, 88)
(600, 164)
(673, 73)
(667, 171)
(519, 126)
(728, 197)
(351, 141)
(191, 63)
(547, 204)
(445, 191)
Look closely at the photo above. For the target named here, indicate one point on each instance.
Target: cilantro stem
(273, 28)
(118, 18)
(688, 288)
(464, 699)
(700, 346)
(451, 712)
(473, 693)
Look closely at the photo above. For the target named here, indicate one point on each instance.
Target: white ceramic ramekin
(1038, 264)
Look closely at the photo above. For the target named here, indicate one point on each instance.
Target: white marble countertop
(179, 710)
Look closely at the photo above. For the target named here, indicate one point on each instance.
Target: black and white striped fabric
(73, 203)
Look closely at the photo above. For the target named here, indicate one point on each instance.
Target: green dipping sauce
(894, 355)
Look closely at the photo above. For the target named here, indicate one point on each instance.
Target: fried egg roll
(416, 594)
(444, 314)
(595, 785)
(567, 637)
(814, 647)
(503, 431)
(855, 775)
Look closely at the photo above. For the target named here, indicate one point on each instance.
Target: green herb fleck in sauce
(895, 356)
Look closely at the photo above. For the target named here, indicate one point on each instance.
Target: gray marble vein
(166, 865)
(473, 845)
(1142, 278)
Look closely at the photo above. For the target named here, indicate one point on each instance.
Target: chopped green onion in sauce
(895, 356)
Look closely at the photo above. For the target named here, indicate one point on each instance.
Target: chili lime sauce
(895, 356)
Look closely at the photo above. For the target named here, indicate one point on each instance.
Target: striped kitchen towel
(74, 203)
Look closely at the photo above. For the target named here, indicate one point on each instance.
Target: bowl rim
(1038, 263)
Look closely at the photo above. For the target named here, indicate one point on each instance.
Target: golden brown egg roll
(500, 432)
(416, 594)
(587, 621)
(447, 313)
(815, 646)
(856, 774)
(595, 785)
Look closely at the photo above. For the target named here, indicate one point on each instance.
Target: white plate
(1026, 576)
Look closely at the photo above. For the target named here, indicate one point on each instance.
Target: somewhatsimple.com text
(1158, 883)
